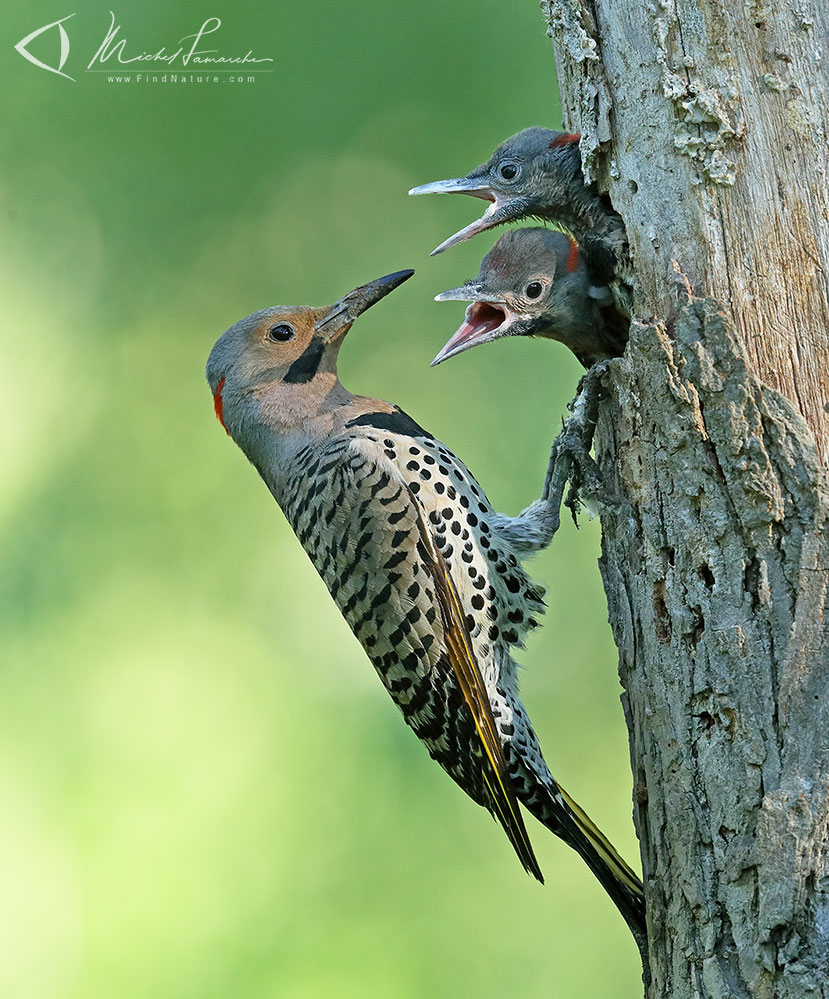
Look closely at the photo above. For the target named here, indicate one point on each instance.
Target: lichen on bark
(708, 123)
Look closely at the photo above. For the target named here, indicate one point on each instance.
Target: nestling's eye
(509, 171)
(281, 332)
(533, 289)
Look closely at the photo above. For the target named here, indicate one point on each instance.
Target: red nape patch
(572, 258)
(564, 140)
(217, 403)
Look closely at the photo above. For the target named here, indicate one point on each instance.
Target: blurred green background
(205, 792)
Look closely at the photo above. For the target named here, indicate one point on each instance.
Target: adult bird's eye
(281, 332)
(509, 171)
(533, 289)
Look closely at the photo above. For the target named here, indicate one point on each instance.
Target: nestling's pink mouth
(484, 321)
(481, 318)
(484, 194)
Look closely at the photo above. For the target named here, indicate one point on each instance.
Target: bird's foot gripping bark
(570, 458)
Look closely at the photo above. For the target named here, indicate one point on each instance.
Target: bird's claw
(573, 477)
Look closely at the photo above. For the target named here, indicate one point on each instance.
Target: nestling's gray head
(533, 282)
(535, 173)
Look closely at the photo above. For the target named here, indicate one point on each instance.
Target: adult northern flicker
(537, 174)
(425, 572)
(535, 282)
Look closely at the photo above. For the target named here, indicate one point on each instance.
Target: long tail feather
(615, 876)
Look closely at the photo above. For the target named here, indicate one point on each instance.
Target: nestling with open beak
(537, 174)
(535, 282)
(425, 572)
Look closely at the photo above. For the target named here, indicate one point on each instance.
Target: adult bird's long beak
(346, 309)
(501, 208)
(487, 318)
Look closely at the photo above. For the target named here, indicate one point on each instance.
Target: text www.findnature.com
(180, 78)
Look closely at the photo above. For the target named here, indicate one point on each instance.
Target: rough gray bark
(707, 126)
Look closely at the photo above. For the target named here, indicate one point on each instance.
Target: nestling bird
(537, 174)
(535, 282)
(425, 572)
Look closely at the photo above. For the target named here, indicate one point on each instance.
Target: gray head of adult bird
(534, 174)
(535, 282)
(274, 373)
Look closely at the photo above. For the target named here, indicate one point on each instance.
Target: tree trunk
(707, 125)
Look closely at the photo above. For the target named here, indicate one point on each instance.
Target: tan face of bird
(281, 363)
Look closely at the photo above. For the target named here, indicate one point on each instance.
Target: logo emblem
(64, 47)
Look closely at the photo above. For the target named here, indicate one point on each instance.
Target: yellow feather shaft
(602, 845)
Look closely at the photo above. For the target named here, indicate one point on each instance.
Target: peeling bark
(707, 127)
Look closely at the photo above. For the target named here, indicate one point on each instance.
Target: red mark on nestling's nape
(217, 403)
(564, 140)
(572, 258)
